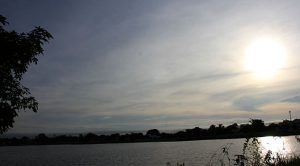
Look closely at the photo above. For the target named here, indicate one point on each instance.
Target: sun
(264, 57)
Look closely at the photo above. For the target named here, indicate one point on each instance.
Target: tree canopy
(18, 51)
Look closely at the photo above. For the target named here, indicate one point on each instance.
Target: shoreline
(147, 141)
(255, 128)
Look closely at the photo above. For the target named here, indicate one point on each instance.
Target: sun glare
(264, 57)
(275, 144)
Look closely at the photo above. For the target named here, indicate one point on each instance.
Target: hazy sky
(136, 65)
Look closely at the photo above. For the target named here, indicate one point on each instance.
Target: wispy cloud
(294, 99)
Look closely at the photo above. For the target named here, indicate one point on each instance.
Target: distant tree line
(255, 128)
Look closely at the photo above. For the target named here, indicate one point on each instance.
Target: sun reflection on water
(278, 145)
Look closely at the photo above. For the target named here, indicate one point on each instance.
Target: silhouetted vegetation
(252, 155)
(254, 128)
(18, 51)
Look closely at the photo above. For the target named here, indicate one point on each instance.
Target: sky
(135, 65)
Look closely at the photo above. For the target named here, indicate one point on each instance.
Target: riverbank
(255, 128)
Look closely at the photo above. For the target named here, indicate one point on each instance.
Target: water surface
(192, 153)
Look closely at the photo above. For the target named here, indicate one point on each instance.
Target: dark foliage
(18, 51)
(255, 128)
(153, 132)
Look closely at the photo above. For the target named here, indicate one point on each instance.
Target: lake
(192, 153)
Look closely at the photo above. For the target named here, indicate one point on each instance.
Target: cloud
(132, 65)
(247, 103)
(252, 103)
(295, 99)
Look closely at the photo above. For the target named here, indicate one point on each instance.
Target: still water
(192, 153)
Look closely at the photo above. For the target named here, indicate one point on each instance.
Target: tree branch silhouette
(18, 51)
